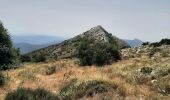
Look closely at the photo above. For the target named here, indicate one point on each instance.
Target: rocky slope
(67, 48)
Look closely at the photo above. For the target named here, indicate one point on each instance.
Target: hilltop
(66, 49)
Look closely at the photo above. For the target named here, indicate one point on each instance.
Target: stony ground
(144, 73)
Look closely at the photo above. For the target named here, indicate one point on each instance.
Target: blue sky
(148, 20)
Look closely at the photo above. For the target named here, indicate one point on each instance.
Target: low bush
(162, 42)
(40, 57)
(146, 70)
(75, 90)
(145, 43)
(25, 58)
(50, 70)
(28, 94)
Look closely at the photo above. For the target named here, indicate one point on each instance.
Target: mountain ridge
(67, 48)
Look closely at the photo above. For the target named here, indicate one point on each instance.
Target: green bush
(2, 79)
(146, 70)
(40, 57)
(9, 56)
(145, 43)
(75, 90)
(91, 52)
(28, 94)
(25, 58)
(162, 42)
(50, 70)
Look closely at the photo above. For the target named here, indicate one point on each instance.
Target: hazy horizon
(148, 20)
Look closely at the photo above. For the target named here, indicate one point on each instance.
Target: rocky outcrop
(146, 51)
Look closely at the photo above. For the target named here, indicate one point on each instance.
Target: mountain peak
(97, 32)
(98, 29)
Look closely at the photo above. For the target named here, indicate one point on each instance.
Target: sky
(148, 20)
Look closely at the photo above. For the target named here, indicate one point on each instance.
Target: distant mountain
(31, 43)
(134, 43)
(67, 48)
(36, 39)
(26, 47)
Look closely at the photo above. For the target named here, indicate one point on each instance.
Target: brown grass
(32, 75)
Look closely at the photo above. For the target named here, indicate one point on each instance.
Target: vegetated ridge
(67, 48)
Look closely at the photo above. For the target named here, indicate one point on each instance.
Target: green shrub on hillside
(40, 57)
(28, 94)
(75, 90)
(25, 58)
(90, 52)
(9, 56)
(50, 70)
(162, 42)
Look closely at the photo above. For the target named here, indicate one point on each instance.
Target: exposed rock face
(98, 33)
(67, 48)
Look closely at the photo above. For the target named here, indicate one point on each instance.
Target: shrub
(2, 79)
(90, 52)
(25, 58)
(145, 43)
(28, 94)
(75, 90)
(40, 57)
(162, 42)
(146, 70)
(50, 70)
(165, 41)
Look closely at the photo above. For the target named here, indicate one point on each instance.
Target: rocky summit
(66, 49)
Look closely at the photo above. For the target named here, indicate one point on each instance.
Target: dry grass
(32, 75)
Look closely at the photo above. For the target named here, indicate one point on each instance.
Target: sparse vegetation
(145, 74)
(29, 94)
(26, 75)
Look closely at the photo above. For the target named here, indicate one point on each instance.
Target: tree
(8, 55)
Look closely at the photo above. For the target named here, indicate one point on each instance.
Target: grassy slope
(31, 75)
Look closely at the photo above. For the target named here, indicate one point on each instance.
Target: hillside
(27, 47)
(66, 49)
(144, 73)
(134, 42)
